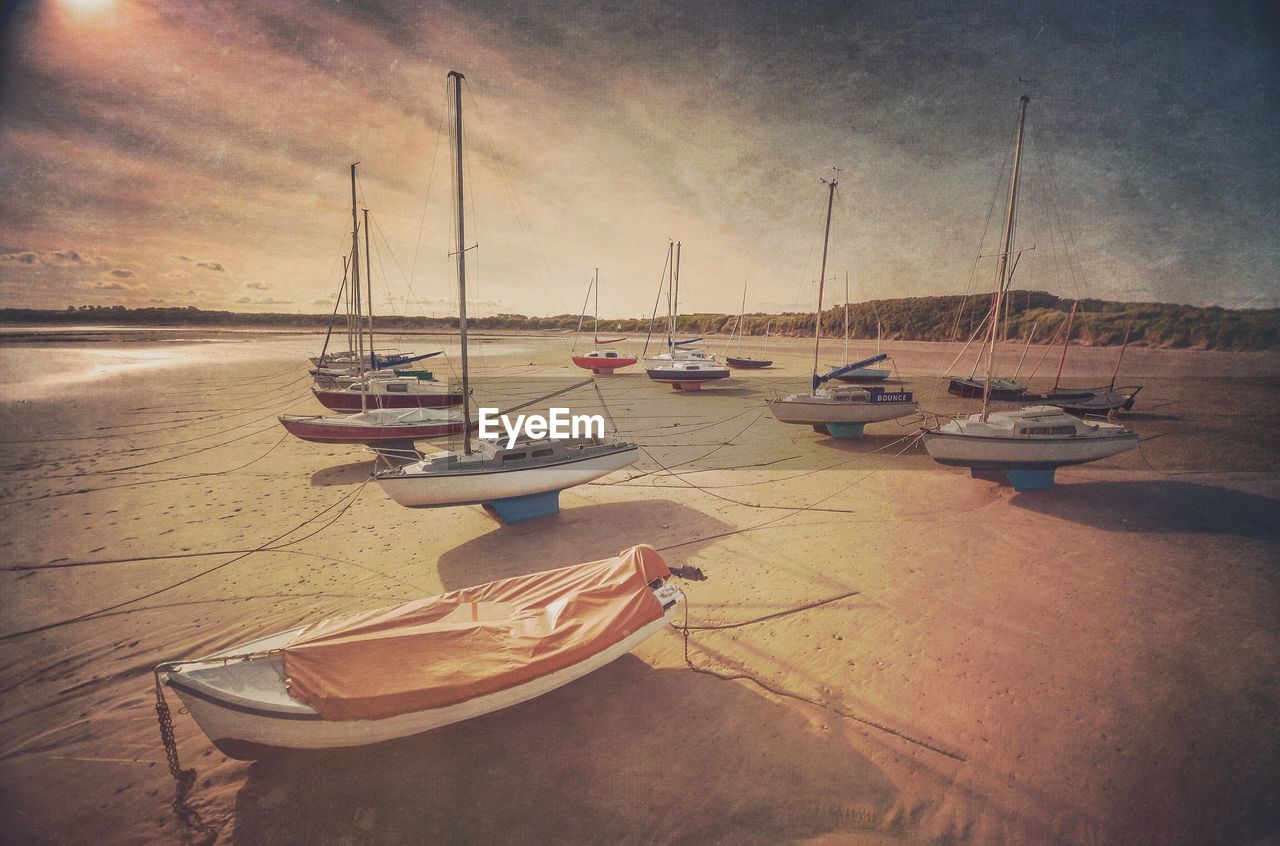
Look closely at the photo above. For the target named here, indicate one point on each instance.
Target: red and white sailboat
(384, 410)
(601, 362)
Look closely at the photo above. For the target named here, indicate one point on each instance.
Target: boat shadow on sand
(623, 755)
(1158, 506)
(591, 531)
(352, 473)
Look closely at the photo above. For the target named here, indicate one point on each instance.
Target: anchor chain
(184, 780)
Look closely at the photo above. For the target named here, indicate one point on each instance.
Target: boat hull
(675, 375)
(864, 375)
(996, 453)
(1002, 390)
(815, 411)
(1090, 400)
(748, 363)
(322, 430)
(350, 401)
(601, 366)
(448, 489)
(246, 733)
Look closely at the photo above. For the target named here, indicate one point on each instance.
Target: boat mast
(1071, 318)
(1006, 244)
(595, 326)
(846, 318)
(1025, 350)
(767, 323)
(675, 297)
(822, 275)
(324, 350)
(368, 283)
(462, 261)
(355, 287)
(1116, 373)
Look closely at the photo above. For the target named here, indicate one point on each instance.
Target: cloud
(259, 286)
(121, 273)
(182, 258)
(24, 257)
(105, 285)
(263, 301)
(66, 258)
(211, 265)
(318, 301)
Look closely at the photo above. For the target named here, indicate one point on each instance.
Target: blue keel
(1031, 480)
(845, 430)
(517, 509)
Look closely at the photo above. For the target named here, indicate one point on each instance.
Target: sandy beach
(1091, 664)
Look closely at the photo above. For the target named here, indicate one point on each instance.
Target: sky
(179, 152)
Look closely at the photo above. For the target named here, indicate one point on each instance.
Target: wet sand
(1095, 663)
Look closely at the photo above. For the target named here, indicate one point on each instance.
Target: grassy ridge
(1098, 322)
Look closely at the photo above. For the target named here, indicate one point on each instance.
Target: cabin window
(610, 355)
(512, 456)
(1049, 430)
(540, 453)
(396, 387)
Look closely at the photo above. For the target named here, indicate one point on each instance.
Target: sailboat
(516, 482)
(601, 362)
(397, 672)
(1027, 445)
(740, 361)
(372, 423)
(682, 368)
(860, 371)
(840, 410)
(1106, 400)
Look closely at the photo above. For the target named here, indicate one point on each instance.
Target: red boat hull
(602, 365)
(320, 433)
(351, 401)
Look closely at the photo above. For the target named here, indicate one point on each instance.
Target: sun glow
(84, 8)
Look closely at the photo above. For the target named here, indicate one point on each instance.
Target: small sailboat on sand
(1029, 444)
(514, 482)
(1106, 400)
(601, 362)
(400, 671)
(682, 368)
(738, 361)
(373, 422)
(860, 371)
(841, 411)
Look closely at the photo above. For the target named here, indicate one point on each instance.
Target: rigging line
(778, 691)
(444, 110)
(522, 216)
(806, 473)
(786, 612)
(791, 513)
(164, 426)
(106, 562)
(80, 618)
(147, 448)
(146, 481)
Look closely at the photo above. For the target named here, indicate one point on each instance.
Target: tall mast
(368, 284)
(355, 286)
(822, 276)
(675, 295)
(846, 317)
(1116, 373)
(595, 327)
(1071, 318)
(462, 261)
(1006, 244)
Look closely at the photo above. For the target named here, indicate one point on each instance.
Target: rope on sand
(787, 694)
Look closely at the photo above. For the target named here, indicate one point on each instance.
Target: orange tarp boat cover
(439, 651)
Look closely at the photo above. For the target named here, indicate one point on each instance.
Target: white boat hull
(440, 490)
(996, 453)
(815, 411)
(244, 732)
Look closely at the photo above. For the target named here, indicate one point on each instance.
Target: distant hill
(1098, 322)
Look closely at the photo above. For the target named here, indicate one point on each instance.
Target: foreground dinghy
(400, 671)
(1028, 445)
